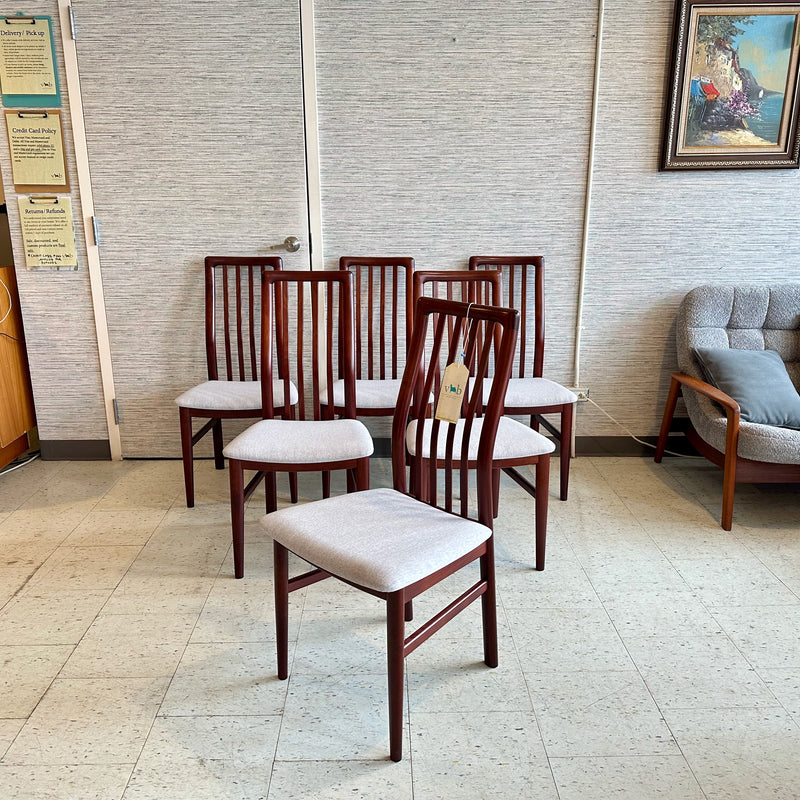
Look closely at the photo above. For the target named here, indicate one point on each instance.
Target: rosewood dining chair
(528, 392)
(389, 543)
(232, 333)
(307, 343)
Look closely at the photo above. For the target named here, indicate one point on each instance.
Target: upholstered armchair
(744, 410)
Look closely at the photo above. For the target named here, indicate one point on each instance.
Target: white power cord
(633, 436)
(17, 466)
(10, 303)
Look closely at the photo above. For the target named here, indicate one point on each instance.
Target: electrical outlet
(583, 394)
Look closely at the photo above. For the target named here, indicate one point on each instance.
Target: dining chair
(382, 296)
(516, 445)
(528, 392)
(232, 333)
(388, 542)
(307, 343)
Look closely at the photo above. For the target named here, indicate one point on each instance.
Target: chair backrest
(233, 314)
(307, 341)
(523, 289)
(482, 331)
(382, 314)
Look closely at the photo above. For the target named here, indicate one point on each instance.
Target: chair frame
(493, 295)
(414, 394)
(274, 329)
(566, 411)
(377, 367)
(735, 468)
(240, 353)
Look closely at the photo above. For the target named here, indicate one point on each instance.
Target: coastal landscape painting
(733, 97)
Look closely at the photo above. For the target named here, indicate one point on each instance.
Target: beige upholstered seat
(232, 395)
(381, 538)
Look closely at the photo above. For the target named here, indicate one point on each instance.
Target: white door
(194, 126)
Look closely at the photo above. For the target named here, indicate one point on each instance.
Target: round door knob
(292, 244)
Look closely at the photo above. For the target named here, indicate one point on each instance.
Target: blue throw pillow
(757, 380)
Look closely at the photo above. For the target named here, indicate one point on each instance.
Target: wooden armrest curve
(717, 395)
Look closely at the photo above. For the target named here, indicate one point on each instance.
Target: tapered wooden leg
(565, 442)
(534, 422)
(293, 493)
(542, 495)
(409, 611)
(350, 477)
(395, 645)
(362, 475)
(187, 455)
(489, 607)
(495, 492)
(326, 484)
(271, 492)
(729, 472)
(281, 570)
(666, 422)
(216, 435)
(237, 516)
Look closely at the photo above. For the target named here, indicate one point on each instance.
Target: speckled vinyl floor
(657, 656)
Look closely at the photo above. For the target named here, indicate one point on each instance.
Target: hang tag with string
(454, 383)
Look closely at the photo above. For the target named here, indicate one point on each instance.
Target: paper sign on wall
(36, 142)
(47, 234)
(27, 67)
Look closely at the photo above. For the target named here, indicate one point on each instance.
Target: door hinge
(71, 13)
(115, 406)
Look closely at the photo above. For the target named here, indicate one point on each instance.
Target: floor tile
(69, 782)
(333, 780)
(740, 754)
(785, 685)
(9, 728)
(89, 722)
(229, 679)
(206, 758)
(131, 646)
(109, 528)
(626, 778)
(663, 614)
(473, 755)
(27, 672)
(72, 569)
(598, 714)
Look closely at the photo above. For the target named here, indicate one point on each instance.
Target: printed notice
(26, 57)
(47, 234)
(36, 142)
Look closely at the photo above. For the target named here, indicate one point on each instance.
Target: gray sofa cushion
(746, 318)
(757, 380)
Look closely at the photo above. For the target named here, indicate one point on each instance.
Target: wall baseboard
(75, 450)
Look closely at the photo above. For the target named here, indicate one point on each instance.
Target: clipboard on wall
(28, 74)
(36, 146)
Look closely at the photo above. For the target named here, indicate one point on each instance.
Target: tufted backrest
(745, 317)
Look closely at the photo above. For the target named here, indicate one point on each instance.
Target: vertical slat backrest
(307, 340)
(486, 331)
(523, 283)
(233, 314)
(382, 313)
(482, 287)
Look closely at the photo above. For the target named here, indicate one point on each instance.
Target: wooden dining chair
(232, 332)
(389, 543)
(382, 296)
(516, 445)
(306, 342)
(528, 392)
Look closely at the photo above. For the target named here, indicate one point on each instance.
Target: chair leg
(728, 483)
(271, 491)
(542, 494)
(326, 484)
(293, 493)
(237, 516)
(666, 422)
(495, 492)
(534, 424)
(565, 442)
(362, 475)
(395, 647)
(187, 455)
(489, 607)
(216, 435)
(281, 570)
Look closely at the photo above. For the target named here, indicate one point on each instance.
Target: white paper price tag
(451, 393)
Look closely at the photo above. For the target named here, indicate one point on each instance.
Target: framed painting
(733, 92)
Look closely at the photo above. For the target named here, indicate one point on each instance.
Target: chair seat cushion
(232, 395)
(380, 538)
(757, 380)
(283, 441)
(534, 393)
(369, 394)
(514, 440)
